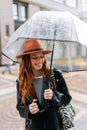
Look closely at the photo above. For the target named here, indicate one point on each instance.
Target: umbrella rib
(75, 28)
(9, 57)
(46, 39)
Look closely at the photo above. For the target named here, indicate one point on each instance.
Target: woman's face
(37, 60)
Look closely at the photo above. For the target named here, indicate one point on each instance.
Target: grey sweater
(38, 86)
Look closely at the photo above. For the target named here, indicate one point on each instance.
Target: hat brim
(44, 52)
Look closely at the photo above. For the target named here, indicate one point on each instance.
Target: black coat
(47, 120)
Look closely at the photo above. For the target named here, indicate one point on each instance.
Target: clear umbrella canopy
(51, 26)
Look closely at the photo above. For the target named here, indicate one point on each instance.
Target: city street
(10, 119)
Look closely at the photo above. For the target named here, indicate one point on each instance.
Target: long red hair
(26, 78)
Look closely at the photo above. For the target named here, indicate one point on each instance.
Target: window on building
(19, 11)
(15, 11)
(23, 12)
(60, 1)
(7, 30)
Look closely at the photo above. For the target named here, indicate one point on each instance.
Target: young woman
(35, 97)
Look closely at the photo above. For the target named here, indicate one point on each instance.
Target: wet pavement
(10, 119)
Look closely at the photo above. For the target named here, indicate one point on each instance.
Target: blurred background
(13, 13)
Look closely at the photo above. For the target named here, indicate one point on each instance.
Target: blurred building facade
(14, 13)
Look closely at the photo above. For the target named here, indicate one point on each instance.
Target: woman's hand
(48, 94)
(33, 107)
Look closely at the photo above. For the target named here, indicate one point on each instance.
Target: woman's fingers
(33, 107)
(48, 94)
(34, 100)
(34, 110)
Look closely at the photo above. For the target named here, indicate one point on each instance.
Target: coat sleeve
(61, 85)
(23, 109)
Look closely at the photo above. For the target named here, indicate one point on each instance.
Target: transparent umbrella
(52, 26)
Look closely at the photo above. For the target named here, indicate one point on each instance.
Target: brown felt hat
(32, 46)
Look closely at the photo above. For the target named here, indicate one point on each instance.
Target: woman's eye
(35, 58)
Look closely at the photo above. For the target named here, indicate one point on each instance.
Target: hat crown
(31, 45)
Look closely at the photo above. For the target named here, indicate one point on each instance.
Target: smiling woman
(37, 60)
(34, 91)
